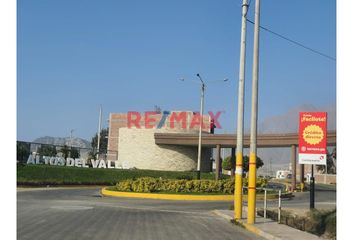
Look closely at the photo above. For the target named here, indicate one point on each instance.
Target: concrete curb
(27, 189)
(181, 197)
(248, 227)
(109, 193)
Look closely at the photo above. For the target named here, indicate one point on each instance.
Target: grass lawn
(61, 175)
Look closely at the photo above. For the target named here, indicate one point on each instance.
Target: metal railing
(270, 201)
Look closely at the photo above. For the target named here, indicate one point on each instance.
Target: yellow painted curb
(106, 192)
(251, 228)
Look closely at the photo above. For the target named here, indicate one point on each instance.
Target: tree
(70, 152)
(65, 151)
(259, 163)
(226, 164)
(47, 150)
(331, 163)
(22, 151)
(103, 140)
(74, 153)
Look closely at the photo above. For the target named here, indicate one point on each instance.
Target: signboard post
(312, 143)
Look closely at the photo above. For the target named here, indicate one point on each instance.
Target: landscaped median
(138, 183)
(170, 189)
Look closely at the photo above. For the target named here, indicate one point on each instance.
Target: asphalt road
(83, 214)
(325, 198)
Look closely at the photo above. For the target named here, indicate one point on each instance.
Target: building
(131, 140)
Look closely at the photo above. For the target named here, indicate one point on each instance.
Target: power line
(295, 42)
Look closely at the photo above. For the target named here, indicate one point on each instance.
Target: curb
(259, 232)
(249, 227)
(46, 188)
(109, 193)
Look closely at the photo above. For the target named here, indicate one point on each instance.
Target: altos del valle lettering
(71, 162)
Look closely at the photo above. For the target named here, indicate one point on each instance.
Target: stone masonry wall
(137, 149)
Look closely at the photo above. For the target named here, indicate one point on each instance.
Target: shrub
(319, 222)
(148, 184)
(324, 222)
(186, 177)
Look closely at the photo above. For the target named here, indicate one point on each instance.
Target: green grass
(61, 175)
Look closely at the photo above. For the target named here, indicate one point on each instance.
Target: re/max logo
(175, 119)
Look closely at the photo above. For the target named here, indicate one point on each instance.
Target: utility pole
(201, 123)
(99, 131)
(312, 189)
(254, 110)
(240, 113)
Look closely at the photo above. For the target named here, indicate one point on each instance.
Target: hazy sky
(73, 56)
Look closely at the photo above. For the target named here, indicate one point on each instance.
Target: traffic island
(173, 189)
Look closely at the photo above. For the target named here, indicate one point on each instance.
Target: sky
(73, 56)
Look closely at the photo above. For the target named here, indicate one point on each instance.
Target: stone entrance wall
(137, 149)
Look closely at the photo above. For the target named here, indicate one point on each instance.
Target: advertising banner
(312, 138)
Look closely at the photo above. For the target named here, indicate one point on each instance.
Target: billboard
(312, 138)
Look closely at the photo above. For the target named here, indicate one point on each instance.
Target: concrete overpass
(288, 140)
(229, 140)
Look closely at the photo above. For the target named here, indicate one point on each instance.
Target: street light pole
(99, 131)
(202, 90)
(202, 86)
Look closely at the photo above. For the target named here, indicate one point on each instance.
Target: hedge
(149, 185)
(63, 175)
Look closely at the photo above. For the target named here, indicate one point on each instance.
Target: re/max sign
(174, 119)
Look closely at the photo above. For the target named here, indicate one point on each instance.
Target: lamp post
(202, 86)
(202, 90)
(99, 132)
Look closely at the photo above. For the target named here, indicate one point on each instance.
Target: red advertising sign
(312, 138)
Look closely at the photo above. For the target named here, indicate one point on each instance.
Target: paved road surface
(76, 214)
(325, 198)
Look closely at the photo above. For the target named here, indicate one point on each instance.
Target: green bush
(226, 163)
(149, 185)
(29, 174)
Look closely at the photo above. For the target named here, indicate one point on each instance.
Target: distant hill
(74, 142)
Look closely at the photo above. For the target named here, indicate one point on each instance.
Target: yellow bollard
(252, 189)
(238, 186)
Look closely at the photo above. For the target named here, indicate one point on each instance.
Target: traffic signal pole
(251, 211)
(240, 113)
